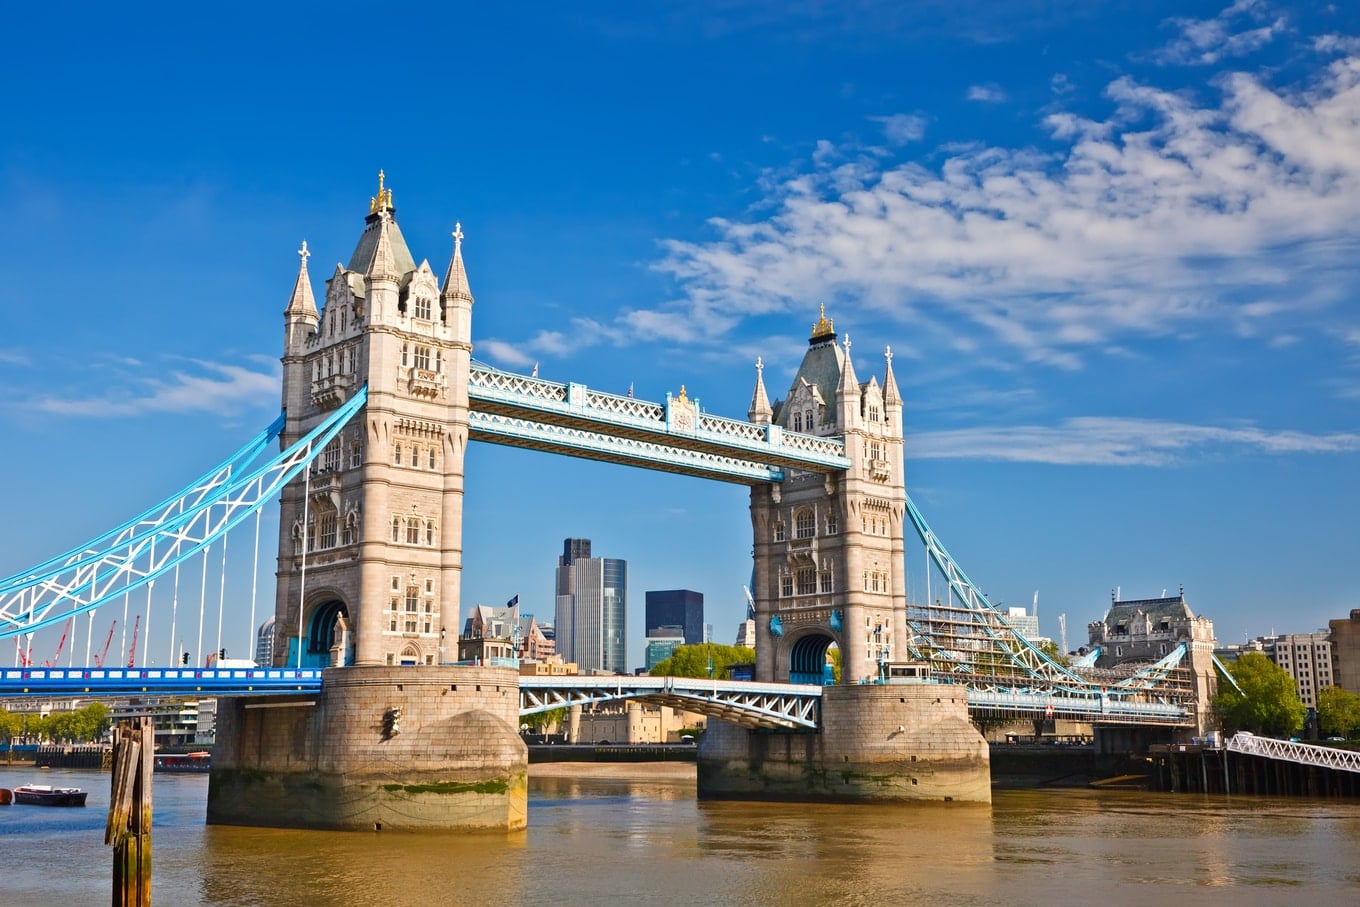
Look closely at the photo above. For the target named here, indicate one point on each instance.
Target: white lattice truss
(753, 705)
(145, 547)
(525, 411)
(969, 641)
(1301, 753)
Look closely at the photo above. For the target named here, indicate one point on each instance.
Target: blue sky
(1112, 246)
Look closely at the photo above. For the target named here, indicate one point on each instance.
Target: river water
(602, 842)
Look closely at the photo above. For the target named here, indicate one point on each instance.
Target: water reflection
(643, 841)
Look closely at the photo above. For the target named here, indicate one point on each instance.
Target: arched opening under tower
(329, 642)
(811, 661)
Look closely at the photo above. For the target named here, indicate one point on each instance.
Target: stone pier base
(883, 742)
(380, 748)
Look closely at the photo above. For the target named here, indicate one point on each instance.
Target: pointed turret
(383, 265)
(891, 396)
(761, 413)
(302, 302)
(456, 298)
(848, 390)
(455, 279)
(301, 316)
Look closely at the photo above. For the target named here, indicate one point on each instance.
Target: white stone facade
(829, 551)
(374, 554)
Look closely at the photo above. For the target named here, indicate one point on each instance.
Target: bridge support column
(877, 742)
(378, 748)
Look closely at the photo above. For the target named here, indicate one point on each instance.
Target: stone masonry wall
(878, 742)
(451, 757)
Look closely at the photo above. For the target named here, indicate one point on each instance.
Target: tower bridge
(381, 396)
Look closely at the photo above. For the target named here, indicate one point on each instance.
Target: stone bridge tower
(829, 557)
(370, 540)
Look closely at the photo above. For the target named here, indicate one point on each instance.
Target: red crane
(132, 649)
(99, 659)
(56, 658)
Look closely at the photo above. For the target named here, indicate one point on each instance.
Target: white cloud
(1337, 44)
(990, 93)
(199, 387)
(1114, 442)
(902, 128)
(1208, 41)
(1167, 214)
(503, 353)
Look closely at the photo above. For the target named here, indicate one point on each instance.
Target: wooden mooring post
(129, 826)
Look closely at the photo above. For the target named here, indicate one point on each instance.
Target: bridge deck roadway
(750, 704)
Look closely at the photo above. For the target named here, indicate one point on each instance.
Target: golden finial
(824, 326)
(381, 201)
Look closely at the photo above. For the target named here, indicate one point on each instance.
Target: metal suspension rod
(254, 585)
(222, 595)
(302, 572)
(174, 617)
(147, 621)
(202, 597)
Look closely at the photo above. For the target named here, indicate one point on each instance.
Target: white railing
(1302, 753)
(731, 428)
(518, 384)
(630, 407)
(750, 704)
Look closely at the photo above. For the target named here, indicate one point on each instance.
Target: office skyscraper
(592, 609)
(676, 608)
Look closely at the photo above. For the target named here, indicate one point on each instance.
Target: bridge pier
(414, 748)
(877, 743)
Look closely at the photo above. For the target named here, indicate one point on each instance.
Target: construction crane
(99, 659)
(132, 649)
(60, 645)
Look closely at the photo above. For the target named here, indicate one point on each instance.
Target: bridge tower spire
(370, 541)
(829, 549)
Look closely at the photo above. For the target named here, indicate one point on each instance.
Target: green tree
(695, 661)
(1338, 712)
(1050, 648)
(11, 725)
(539, 721)
(88, 724)
(1268, 702)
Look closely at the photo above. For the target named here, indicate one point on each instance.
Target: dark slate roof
(368, 241)
(1156, 609)
(821, 368)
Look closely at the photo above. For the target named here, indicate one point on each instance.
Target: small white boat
(46, 795)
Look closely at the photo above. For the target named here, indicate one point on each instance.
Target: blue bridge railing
(27, 682)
